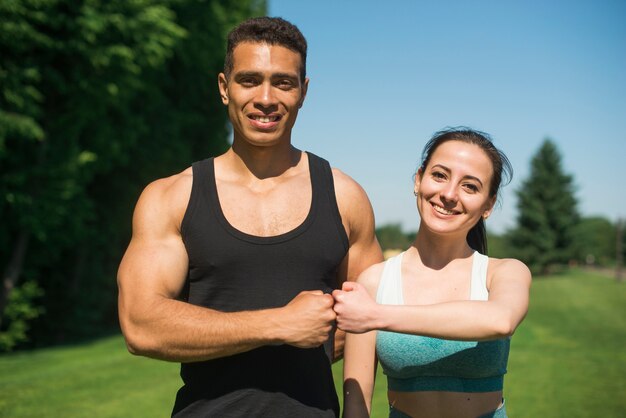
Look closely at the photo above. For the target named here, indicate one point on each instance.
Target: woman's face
(453, 190)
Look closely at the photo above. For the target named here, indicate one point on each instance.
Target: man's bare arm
(358, 220)
(152, 275)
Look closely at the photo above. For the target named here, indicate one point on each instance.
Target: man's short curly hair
(269, 30)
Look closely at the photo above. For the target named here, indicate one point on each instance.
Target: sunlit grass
(92, 380)
(568, 359)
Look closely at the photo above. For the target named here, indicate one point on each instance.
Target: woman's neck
(436, 251)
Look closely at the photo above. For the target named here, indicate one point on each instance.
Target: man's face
(264, 93)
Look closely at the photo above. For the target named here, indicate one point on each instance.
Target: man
(232, 261)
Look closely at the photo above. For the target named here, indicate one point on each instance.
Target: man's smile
(265, 118)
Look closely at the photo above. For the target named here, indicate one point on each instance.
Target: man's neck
(262, 162)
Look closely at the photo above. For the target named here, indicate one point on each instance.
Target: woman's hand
(356, 310)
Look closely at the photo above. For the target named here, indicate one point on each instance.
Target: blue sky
(386, 75)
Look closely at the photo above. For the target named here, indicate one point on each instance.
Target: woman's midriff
(445, 404)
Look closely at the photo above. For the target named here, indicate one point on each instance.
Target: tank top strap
(390, 284)
(478, 286)
(203, 175)
(201, 188)
(323, 190)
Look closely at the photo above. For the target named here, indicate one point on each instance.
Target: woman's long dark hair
(502, 169)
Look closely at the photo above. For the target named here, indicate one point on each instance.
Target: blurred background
(98, 98)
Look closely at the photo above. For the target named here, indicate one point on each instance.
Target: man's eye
(284, 84)
(248, 82)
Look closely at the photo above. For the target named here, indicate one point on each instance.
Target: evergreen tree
(547, 213)
(595, 241)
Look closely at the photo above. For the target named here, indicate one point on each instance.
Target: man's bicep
(155, 263)
(359, 258)
(364, 248)
(154, 268)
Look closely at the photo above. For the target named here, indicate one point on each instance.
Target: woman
(445, 312)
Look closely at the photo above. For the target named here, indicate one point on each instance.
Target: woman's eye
(438, 175)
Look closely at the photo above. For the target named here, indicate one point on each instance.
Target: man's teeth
(443, 210)
(264, 119)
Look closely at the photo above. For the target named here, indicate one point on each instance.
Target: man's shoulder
(345, 182)
(354, 206)
(169, 187)
(351, 197)
(170, 194)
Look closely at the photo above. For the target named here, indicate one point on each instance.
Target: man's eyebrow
(241, 74)
(284, 75)
(247, 74)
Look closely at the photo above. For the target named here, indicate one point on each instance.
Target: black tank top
(233, 271)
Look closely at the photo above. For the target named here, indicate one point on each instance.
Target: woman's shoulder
(370, 277)
(510, 267)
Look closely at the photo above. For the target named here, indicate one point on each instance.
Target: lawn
(568, 359)
(97, 380)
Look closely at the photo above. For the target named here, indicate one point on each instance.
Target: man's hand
(355, 309)
(308, 319)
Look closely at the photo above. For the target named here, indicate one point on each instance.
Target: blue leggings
(498, 413)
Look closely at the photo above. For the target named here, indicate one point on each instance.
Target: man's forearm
(177, 331)
(172, 330)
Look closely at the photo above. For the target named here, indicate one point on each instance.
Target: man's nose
(266, 96)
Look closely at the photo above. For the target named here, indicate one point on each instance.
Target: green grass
(93, 380)
(568, 359)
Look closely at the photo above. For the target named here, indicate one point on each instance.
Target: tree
(392, 237)
(547, 213)
(498, 246)
(97, 98)
(594, 239)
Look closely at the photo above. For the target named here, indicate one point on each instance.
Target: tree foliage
(594, 239)
(392, 237)
(498, 246)
(97, 98)
(547, 213)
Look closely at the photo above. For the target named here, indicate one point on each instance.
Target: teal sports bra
(415, 363)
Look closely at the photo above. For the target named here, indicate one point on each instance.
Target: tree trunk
(13, 270)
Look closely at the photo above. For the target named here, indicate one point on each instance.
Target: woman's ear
(418, 180)
(490, 205)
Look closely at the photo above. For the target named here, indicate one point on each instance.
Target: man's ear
(222, 84)
(305, 88)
